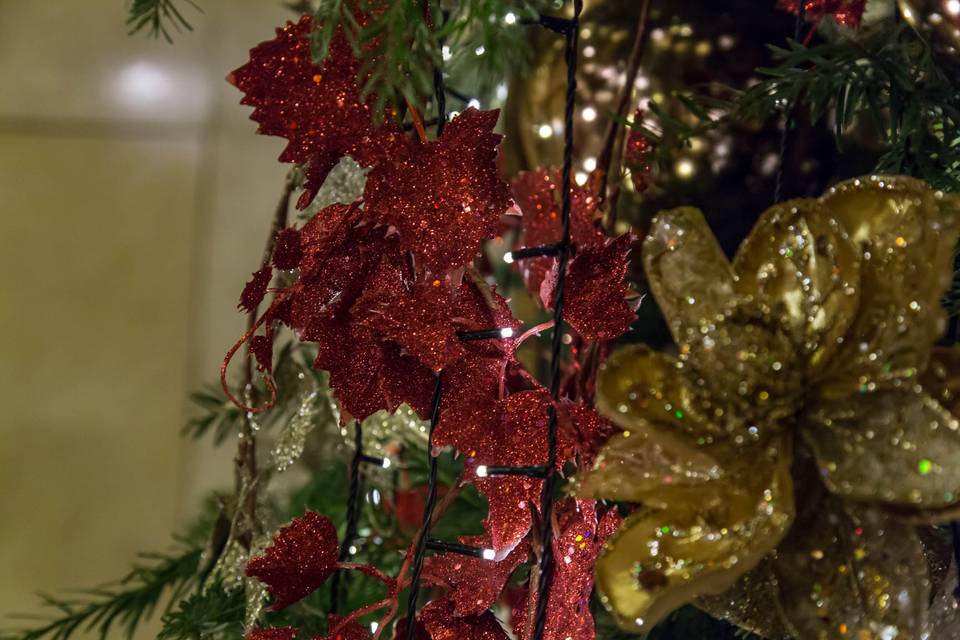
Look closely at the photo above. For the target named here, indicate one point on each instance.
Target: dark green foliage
(157, 17)
(886, 80)
(123, 605)
(401, 49)
(218, 415)
(213, 614)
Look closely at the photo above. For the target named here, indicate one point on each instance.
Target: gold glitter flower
(782, 458)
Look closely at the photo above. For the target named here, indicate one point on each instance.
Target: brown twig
(245, 461)
(614, 129)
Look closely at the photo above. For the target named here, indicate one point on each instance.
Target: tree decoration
(303, 555)
(846, 12)
(937, 19)
(317, 108)
(793, 420)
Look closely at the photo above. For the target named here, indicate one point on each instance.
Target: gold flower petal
(803, 269)
(898, 447)
(701, 543)
(907, 234)
(848, 571)
(752, 603)
(689, 275)
(643, 390)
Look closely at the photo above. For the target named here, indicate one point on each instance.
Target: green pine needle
(157, 17)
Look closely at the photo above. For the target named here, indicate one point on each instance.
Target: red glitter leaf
(576, 548)
(353, 630)
(444, 197)
(583, 427)
(538, 194)
(287, 251)
(510, 500)
(594, 302)
(442, 623)
(474, 584)
(273, 633)
(262, 349)
(637, 155)
(316, 107)
(846, 12)
(300, 559)
(255, 290)
(472, 410)
(418, 317)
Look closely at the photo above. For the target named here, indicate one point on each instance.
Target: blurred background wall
(134, 202)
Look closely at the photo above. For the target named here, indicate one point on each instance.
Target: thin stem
(245, 461)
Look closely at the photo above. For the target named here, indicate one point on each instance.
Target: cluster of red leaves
(596, 288)
(384, 286)
(847, 12)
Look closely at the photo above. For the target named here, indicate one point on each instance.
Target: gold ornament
(937, 19)
(786, 452)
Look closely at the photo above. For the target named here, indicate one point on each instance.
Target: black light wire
(353, 513)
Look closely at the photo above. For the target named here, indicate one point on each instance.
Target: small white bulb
(508, 257)
(474, 103)
(352, 550)
(482, 471)
(506, 332)
(510, 18)
(374, 626)
(589, 114)
(488, 554)
(386, 463)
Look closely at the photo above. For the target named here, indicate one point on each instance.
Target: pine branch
(124, 604)
(480, 39)
(157, 17)
(219, 415)
(214, 613)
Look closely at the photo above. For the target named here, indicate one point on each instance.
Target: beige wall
(134, 199)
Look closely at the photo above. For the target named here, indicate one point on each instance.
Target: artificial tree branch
(613, 141)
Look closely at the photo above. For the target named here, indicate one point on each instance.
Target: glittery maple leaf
(584, 429)
(538, 195)
(255, 290)
(317, 108)
(287, 251)
(846, 12)
(596, 288)
(272, 633)
(636, 155)
(473, 583)
(579, 540)
(477, 309)
(416, 316)
(441, 622)
(300, 559)
(444, 196)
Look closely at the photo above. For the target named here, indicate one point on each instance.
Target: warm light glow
(142, 83)
(581, 178)
(589, 114)
(482, 471)
(446, 53)
(386, 463)
(508, 257)
(685, 168)
(488, 554)
(352, 550)
(589, 52)
(474, 103)
(506, 332)
(480, 50)
(590, 163)
(510, 18)
(545, 131)
(953, 7)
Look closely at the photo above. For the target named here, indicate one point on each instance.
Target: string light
(482, 471)
(488, 554)
(589, 114)
(508, 257)
(510, 18)
(545, 131)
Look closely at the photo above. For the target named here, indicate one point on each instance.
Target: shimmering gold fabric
(802, 379)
